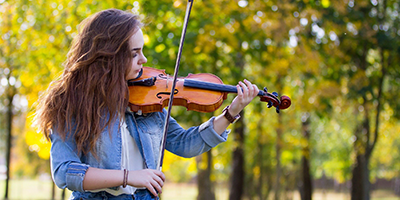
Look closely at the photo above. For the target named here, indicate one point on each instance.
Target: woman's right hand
(151, 179)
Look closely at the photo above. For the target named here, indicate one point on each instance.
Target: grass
(22, 189)
(29, 189)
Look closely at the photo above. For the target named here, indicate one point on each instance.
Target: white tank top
(131, 159)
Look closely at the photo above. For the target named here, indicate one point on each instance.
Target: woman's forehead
(137, 39)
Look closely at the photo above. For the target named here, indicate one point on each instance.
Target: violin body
(202, 92)
(154, 98)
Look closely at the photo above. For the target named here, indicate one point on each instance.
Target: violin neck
(213, 86)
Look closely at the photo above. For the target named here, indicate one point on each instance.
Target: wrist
(230, 115)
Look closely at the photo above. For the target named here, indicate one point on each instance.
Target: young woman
(100, 149)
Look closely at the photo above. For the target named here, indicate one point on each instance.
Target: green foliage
(358, 42)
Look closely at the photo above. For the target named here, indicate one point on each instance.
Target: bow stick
(171, 98)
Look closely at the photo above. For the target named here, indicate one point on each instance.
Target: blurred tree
(314, 95)
(12, 48)
(360, 31)
(320, 99)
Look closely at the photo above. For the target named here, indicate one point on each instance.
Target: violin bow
(171, 98)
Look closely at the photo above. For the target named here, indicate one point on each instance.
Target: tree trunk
(53, 190)
(260, 159)
(10, 97)
(306, 180)
(396, 186)
(237, 176)
(360, 180)
(204, 185)
(63, 194)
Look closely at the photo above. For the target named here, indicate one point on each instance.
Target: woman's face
(136, 43)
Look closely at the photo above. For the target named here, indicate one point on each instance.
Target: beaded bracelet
(125, 181)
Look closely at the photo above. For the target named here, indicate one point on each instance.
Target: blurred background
(338, 60)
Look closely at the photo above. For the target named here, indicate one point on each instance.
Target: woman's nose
(143, 60)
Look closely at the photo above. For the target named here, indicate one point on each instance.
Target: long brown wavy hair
(91, 92)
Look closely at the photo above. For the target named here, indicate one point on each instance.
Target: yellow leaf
(160, 48)
(325, 3)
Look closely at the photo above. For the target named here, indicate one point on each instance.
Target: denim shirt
(68, 167)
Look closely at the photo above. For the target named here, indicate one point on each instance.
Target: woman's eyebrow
(136, 49)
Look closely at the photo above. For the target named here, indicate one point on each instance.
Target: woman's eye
(134, 55)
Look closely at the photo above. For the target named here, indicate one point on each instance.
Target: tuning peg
(275, 94)
(265, 89)
(269, 105)
(277, 109)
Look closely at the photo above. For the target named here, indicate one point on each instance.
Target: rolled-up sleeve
(209, 135)
(66, 168)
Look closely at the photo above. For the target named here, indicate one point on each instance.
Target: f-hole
(166, 93)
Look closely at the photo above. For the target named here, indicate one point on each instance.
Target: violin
(201, 92)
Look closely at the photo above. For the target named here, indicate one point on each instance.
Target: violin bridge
(166, 82)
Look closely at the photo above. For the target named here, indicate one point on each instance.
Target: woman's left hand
(245, 94)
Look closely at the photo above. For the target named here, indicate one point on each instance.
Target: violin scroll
(285, 102)
(272, 100)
